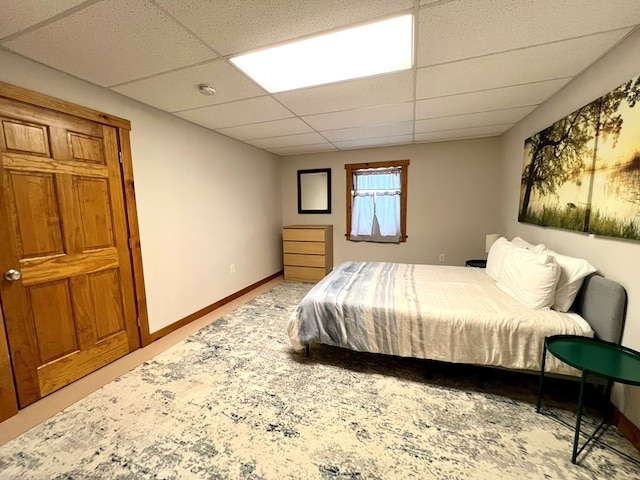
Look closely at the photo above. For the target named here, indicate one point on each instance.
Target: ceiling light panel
(372, 49)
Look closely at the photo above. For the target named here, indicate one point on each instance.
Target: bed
(452, 314)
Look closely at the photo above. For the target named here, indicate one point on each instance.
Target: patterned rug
(234, 401)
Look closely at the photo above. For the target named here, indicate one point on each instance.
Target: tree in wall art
(583, 172)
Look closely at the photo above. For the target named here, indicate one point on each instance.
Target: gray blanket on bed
(453, 314)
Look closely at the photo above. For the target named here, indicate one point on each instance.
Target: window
(377, 201)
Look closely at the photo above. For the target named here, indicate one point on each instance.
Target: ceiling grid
(480, 66)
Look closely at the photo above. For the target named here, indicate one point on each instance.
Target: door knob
(12, 275)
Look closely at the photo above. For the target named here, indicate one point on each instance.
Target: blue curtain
(375, 213)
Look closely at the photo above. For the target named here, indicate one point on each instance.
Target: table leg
(544, 357)
(607, 398)
(576, 438)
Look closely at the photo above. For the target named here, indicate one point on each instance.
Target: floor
(45, 408)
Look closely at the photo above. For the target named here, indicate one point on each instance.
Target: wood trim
(121, 228)
(383, 164)
(403, 201)
(349, 208)
(350, 167)
(134, 236)
(8, 397)
(202, 312)
(625, 426)
(20, 94)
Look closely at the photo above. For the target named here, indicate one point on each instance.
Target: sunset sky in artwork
(628, 142)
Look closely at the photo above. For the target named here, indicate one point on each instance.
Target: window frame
(404, 173)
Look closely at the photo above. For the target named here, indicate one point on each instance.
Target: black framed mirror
(314, 190)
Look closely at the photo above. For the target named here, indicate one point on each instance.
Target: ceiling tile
(175, 91)
(20, 14)
(376, 142)
(546, 62)
(492, 131)
(464, 30)
(484, 64)
(352, 94)
(487, 100)
(233, 27)
(320, 147)
(400, 112)
(373, 131)
(498, 117)
(288, 141)
(243, 112)
(276, 128)
(112, 42)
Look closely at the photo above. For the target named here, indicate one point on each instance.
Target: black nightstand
(476, 263)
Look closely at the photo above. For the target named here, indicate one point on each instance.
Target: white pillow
(529, 277)
(496, 256)
(572, 274)
(520, 242)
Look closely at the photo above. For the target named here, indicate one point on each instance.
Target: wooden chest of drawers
(308, 252)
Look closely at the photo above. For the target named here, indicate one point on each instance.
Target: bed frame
(603, 304)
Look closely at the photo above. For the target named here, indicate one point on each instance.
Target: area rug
(235, 401)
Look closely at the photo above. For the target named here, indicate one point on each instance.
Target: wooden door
(63, 227)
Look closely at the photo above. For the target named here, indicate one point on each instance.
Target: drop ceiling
(480, 66)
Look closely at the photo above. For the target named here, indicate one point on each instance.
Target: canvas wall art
(583, 172)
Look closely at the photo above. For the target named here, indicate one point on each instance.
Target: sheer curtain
(375, 215)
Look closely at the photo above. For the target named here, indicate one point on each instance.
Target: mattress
(453, 314)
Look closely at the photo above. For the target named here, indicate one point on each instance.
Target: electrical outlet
(441, 258)
(232, 268)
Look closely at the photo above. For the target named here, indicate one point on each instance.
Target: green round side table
(591, 356)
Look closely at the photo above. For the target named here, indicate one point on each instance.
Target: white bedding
(453, 314)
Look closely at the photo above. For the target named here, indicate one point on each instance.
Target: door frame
(8, 398)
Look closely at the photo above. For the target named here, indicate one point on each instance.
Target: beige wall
(453, 195)
(204, 200)
(616, 259)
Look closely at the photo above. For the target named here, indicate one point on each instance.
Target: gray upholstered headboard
(602, 303)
